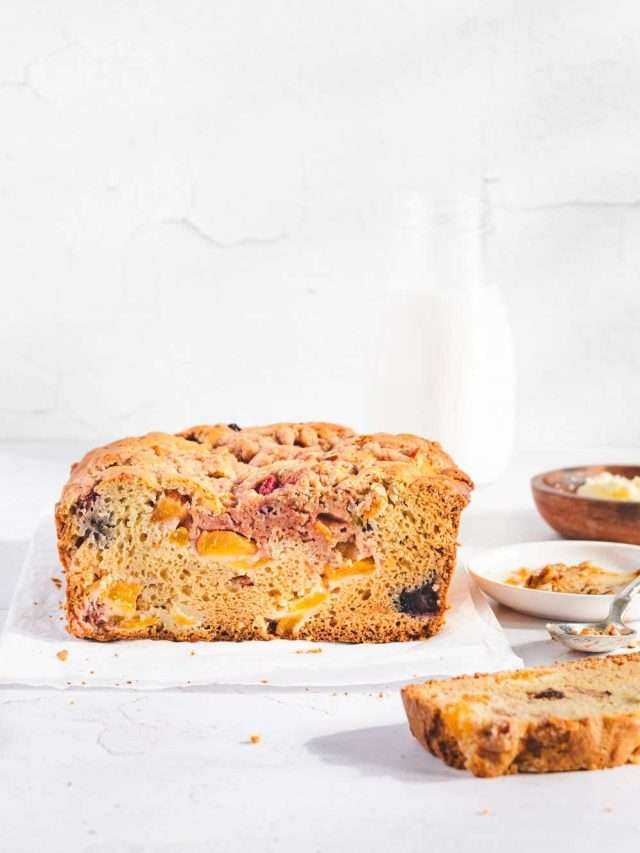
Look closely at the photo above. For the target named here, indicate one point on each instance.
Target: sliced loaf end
(582, 715)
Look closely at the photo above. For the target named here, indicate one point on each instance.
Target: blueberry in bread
(293, 530)
(582, 715)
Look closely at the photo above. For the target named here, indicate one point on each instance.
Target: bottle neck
(442, 245)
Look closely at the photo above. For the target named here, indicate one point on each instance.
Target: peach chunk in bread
(304, 531)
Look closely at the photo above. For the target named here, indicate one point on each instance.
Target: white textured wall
(196, 203)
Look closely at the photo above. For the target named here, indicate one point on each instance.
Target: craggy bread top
(231, 463)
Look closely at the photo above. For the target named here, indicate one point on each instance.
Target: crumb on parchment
(254, 739)
(308, 651)
(62, 655)
(56, 582)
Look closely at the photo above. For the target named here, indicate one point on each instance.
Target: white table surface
(99, 770)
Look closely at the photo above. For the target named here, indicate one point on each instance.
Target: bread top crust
(568, 690)
(224, 460)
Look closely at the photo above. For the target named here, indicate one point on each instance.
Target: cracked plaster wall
(198, 204)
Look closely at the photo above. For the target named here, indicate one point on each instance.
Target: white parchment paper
(471, 641)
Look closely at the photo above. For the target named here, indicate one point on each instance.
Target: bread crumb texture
(306, 531)
(582, 715)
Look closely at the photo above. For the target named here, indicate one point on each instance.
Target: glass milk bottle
(445, 364)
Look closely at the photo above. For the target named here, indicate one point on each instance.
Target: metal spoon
(569, 632)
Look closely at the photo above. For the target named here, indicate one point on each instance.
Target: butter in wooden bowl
(594, 502)
(610, 487)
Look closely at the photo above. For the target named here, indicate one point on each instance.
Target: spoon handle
(622, 599)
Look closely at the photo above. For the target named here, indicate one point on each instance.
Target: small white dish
(491, 567)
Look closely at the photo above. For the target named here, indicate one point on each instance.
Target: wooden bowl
(577, 517)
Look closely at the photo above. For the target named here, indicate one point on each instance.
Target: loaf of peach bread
(293, 530)
(582, 715)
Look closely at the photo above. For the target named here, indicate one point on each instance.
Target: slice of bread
(582, 715)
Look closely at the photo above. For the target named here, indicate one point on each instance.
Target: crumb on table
(62, 655)
(255, 739)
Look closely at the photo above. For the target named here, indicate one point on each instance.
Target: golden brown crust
(499, 724)
(357, 532)
(241, 456)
